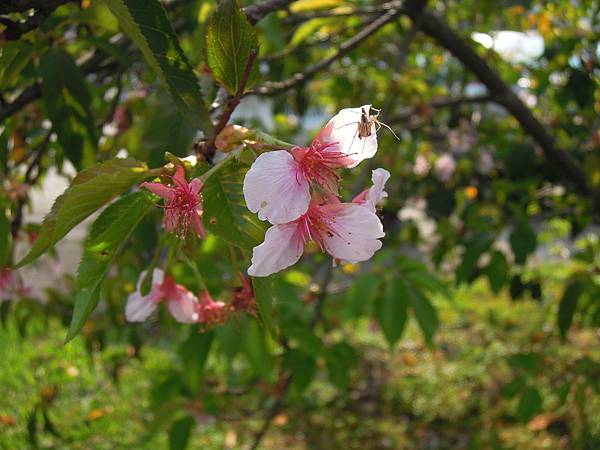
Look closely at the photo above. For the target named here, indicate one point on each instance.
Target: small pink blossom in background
(347, 231)
(181, 303)
(375, 194)
(277, 186)
(210, 312)
(230, 137)
(445, 167)
(11, 285)
(242, 299)
(183, 205)
(485, 164)
(422, 166)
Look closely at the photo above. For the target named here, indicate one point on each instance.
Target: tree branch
(273, 88)
(43, 9)
(437, 104)
(439, 30)
(259, 11)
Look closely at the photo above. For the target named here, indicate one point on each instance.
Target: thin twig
(273, 88)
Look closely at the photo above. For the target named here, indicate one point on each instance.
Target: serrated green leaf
(360, 295)
(497, 271)
(229, 40)
(180, 432)
(67, 102)
(425, 313)
(13, 59)
(146, 23)
(302, 367)
(568, 305)
(263, 293)
(90, 190)
(474, 248)
(391, 310)
(340, 359)
(108, 234)
(225, 211)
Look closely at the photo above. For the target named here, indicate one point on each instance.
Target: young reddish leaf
(229, 41)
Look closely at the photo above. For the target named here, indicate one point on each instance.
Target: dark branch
(259, 11)
(438, 29)
(273, 88)
(43, 9)
(30, 94)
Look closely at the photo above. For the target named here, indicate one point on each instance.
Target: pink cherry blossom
(277, 186)
(375, 194)
(210, 312)
(347, 231)
(422, 166)
(445, 167)
(182, 304)
(183, 204)
(11, 285)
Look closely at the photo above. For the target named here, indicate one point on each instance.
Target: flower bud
(230, 137)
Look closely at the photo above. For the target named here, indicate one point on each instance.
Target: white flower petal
(376, 193)
(345, 132)
(157, 278)
(183, 307)
(356, 234)
(139, 307)
(282, 248)
(275, 189)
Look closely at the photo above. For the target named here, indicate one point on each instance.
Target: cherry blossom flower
(183, 204)
(422, 166)
(181, 303)
(210, 312)
(375, 194)
(277, 186)
(485, 164)
(347, 231)
(445, 167)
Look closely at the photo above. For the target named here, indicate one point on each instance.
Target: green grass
(454, 395)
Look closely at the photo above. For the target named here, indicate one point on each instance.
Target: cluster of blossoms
(297, 192)
(183, 305)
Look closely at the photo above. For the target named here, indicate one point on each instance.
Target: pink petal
(275, 188)
(198, 225)
(157, 278)
(163, 191)
(179, 177)
(183, 306)
(345, 132)
(139, 308)
(376, 194)
(196, 186)
(282, 248)
(356, 233)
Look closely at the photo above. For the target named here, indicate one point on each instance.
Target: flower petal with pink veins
(376, 193)
(345, 132)
(356, 233)
(183, 307)
(275, 188)
(140, 307)
(283, 247)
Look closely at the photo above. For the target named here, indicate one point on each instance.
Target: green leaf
(13, 59)
(530, 404)
(302, 366)
(425, 313)
(67, 102)
(497, 271)
(90, 190)
(180, 432)
(530, 362)
(263, 293)
(194, 352)
(523, 241)
(303, 338)
(568, 305)
(225, 211)
(340, 359)
(108, 234)
(474, 248)
(229, 40)
(391, 310)
(361, 293)
(146, 23)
